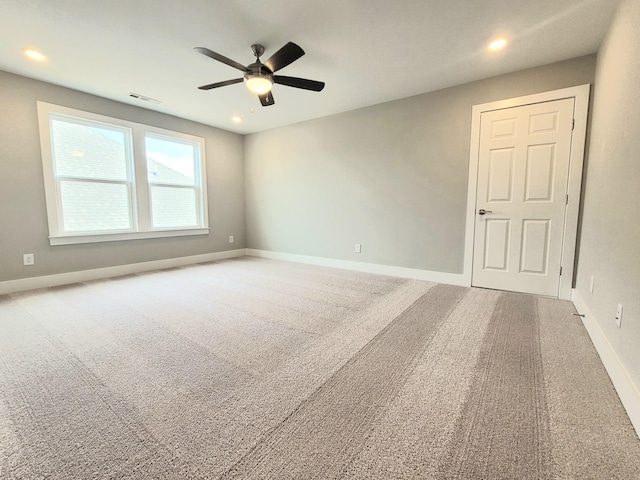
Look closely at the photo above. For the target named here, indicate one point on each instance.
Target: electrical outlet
(619, 316)
(593, 279)
(230, 238)
(358, 249)
(28, 259)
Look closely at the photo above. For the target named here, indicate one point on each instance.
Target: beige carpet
(252, 368)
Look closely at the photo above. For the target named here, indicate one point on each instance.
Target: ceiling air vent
(143, 98)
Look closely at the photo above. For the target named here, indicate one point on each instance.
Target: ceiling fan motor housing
(258, 69)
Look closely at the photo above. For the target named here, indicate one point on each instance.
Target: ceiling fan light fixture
(258, 83)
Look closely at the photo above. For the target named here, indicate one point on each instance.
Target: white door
(523, 169)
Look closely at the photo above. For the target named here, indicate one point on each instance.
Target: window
(92, 176)
(172, 182)
(109, 179)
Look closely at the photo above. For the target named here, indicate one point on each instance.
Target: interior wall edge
(627, 390)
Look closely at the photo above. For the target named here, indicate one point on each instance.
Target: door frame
(576, 161)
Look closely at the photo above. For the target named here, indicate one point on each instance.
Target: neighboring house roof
(158, 172)
(82, 151)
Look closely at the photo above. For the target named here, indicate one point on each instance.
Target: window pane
(83, 151)
(93, 206)
(170, 162)
(173, 207)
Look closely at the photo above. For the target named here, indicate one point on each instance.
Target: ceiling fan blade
(220, 58)
(266, 99)
(220, 84)
(283, 57)
(296, 82)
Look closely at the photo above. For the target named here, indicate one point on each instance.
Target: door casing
(576, 161)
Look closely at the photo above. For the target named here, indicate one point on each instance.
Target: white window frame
(140, 188)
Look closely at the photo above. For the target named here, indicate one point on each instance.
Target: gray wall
(392, 177)
(23, 219)
(610, 237)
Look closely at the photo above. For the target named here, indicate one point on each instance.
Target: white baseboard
(107, 272)
(404, 272)
(45, 281)
(627, 391)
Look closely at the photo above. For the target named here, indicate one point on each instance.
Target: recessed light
(236, 119)
(498, 44)
(34, 54)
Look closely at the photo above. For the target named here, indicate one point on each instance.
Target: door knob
(482, 211)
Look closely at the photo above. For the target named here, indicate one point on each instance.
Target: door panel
(523, 169)
(540, 173)
(535, 246)
(543, 123)
(503, 128)
(496, 255)
(500, 175)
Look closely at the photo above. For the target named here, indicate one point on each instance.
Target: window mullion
(201, 185)
(142, 193)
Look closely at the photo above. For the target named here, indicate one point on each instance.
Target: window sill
(118, 237)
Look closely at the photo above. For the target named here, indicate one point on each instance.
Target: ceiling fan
(259, 77)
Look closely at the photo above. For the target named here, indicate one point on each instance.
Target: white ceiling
(367, 51)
